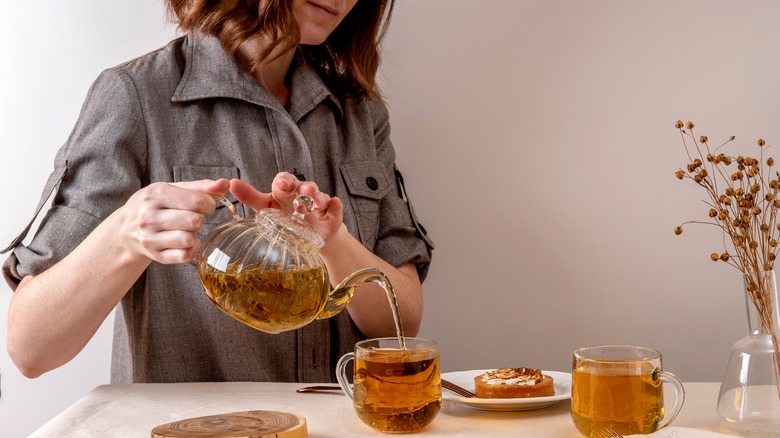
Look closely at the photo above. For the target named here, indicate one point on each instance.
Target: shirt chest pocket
(367, 183)
(195, 173)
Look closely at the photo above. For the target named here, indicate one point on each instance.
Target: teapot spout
(342, 294)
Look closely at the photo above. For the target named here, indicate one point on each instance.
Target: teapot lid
(293, 224)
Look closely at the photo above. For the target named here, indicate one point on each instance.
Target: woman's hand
(326, 218)
(161, 221)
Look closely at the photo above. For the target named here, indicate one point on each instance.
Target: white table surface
(134, 410)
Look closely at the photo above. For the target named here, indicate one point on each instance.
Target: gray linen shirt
(188, 112)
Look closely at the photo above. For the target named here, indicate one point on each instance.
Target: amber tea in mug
(621, 387)
(394, 390)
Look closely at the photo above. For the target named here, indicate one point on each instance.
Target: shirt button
(372, 183)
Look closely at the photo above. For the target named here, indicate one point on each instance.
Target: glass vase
(749, 399)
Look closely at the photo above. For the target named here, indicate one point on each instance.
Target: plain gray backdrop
(538, 144)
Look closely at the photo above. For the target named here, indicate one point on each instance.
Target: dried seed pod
(755, 201)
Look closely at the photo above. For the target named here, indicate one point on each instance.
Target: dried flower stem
(747, 213)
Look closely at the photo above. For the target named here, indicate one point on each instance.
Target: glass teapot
(267, 273)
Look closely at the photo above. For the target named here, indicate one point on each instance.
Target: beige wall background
(538, 146)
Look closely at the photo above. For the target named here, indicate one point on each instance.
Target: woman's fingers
(250, 196)
(286, 187)
(173, 246)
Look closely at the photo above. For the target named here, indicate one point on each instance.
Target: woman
(278, 95)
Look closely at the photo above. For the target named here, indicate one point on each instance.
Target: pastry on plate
(514, 383)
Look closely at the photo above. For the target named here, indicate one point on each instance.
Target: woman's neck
(272, 74)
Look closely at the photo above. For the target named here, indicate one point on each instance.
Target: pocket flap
(195, 173)
(366, 178)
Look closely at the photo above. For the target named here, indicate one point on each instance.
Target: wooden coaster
(247, 424)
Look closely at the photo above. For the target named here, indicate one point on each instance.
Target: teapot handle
(343, 292)
(229, 205)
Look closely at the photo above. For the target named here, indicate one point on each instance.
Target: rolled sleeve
(400, 238)
(99, 168)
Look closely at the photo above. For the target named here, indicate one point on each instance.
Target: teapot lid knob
(302, 205)
(292, 224)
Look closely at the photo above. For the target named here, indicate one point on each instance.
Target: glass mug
(394, 390)
(621, 386)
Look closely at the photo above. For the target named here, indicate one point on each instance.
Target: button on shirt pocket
(367, 183)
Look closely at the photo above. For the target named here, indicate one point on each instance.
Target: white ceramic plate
(561, 382)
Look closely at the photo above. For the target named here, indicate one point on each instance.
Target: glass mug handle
(679, 394)
(341, 373)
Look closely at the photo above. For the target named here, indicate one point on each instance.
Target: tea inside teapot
(271, 301)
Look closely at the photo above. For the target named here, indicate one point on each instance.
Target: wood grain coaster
(246, 424)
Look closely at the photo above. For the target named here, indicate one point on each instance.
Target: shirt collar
(210, 72)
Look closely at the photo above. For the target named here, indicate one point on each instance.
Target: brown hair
(348, 60)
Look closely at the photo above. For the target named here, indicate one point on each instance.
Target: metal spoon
(319, 388)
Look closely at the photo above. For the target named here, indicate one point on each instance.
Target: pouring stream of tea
(391, 297)
(343, 294)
